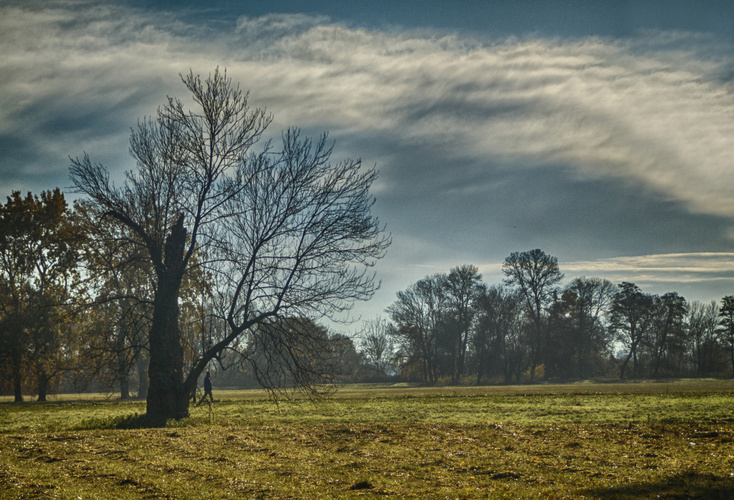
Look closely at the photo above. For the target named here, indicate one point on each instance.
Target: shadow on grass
(688, 485)
(135, 421)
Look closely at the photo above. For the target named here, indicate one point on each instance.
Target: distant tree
(418, 315)
(632, 317)
(667, 334)
(284, 234)
(348, 362)
(534, 274)
(705, 347)
(591, 307)
(496, 340)
(726, 326)
(292, 352)
(376, 347)
(463, 288)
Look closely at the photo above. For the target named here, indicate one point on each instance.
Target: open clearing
(607, 441)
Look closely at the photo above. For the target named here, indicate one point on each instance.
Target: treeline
(453, 328)
(76, 305)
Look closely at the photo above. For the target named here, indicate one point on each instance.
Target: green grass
(607, 441)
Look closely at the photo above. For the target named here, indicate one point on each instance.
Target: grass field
(646, 440)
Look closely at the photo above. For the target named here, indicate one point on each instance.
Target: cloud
(605, 109)
(646, 110)
(696, 266)
(586, 147)
(704, 275)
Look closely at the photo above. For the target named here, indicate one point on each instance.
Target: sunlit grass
(564, 441)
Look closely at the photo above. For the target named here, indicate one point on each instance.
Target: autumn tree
(119, 284)
(284, 234)
(38, 273)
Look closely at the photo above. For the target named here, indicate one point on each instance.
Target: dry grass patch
(371, 444)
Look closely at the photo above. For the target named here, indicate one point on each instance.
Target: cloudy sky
(600, 132)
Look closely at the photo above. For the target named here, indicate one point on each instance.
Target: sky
(599, 132)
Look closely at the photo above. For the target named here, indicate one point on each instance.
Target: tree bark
(166, 358)
(142, 377)
(17, 386)
(167, 395)
(123, 376)
(43, 382)
(17, 377)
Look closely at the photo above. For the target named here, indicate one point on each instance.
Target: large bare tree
(283, 233)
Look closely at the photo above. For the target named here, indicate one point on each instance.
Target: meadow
(670, 440)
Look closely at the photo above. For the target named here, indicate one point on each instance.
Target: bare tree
(377, 346)
(726, 326)
(702, 324)
(418, 314)
(631, 320)
(496, 340)
(463, 287)
(283, 234)
(535, 274)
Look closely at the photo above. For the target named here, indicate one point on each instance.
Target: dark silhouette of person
(207, 389)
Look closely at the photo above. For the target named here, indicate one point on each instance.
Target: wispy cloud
(664, 269)
(485, 146)
(648, 110)
(650, 113)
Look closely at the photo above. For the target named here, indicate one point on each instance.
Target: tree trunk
(624, 365)
(166, 398)
(124, 389)
(17, 378)
(123, 376)
(17, 386)
(122, 367)
(43, 381)
(167, 395)
(142, 377)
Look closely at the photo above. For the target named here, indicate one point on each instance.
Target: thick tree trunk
(167, 394)
(43, 382)
(166, 397)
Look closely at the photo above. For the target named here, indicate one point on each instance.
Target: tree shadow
(687, 485)
(134, 421)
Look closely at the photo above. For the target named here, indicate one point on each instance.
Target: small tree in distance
(283, 234)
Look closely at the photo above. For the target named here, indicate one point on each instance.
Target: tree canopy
(283, 233)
